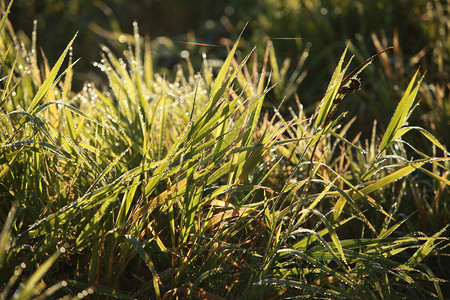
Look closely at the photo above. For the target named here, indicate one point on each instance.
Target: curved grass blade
(61, 103)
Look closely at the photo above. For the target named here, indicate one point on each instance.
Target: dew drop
(122, 39)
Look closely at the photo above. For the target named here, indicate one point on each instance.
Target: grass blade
(31, 286)
(401, 113)
(49, 82)
(332, 90)
(425, 249)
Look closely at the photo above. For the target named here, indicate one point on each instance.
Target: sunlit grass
(150, 188)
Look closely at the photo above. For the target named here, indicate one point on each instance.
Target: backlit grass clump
(153, 188)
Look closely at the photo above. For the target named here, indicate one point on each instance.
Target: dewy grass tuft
(190, 187)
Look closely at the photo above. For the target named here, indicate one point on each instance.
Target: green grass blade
(148, 261)
(107, 169)
(332, 90)
(99, 289)
(303, 243)
(68, 106)
(126, 202)
(435, 280)
(316, 201)
(49, 82)
(425, 249)
(221, 76)
(6, 93)
(318, 264)
(401, 113)
(390, 178)
(431, 138)
(205, 275)
(299, 285)
(440, 178)
(31, 285)
(6, 233)
(5, 15)
(148, 64)
(162, 125)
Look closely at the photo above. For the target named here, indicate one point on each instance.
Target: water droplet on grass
(122, 39)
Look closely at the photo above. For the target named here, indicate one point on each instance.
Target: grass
(190, 188)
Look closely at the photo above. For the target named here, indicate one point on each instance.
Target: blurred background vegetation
(419, 31)
(421, 25)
